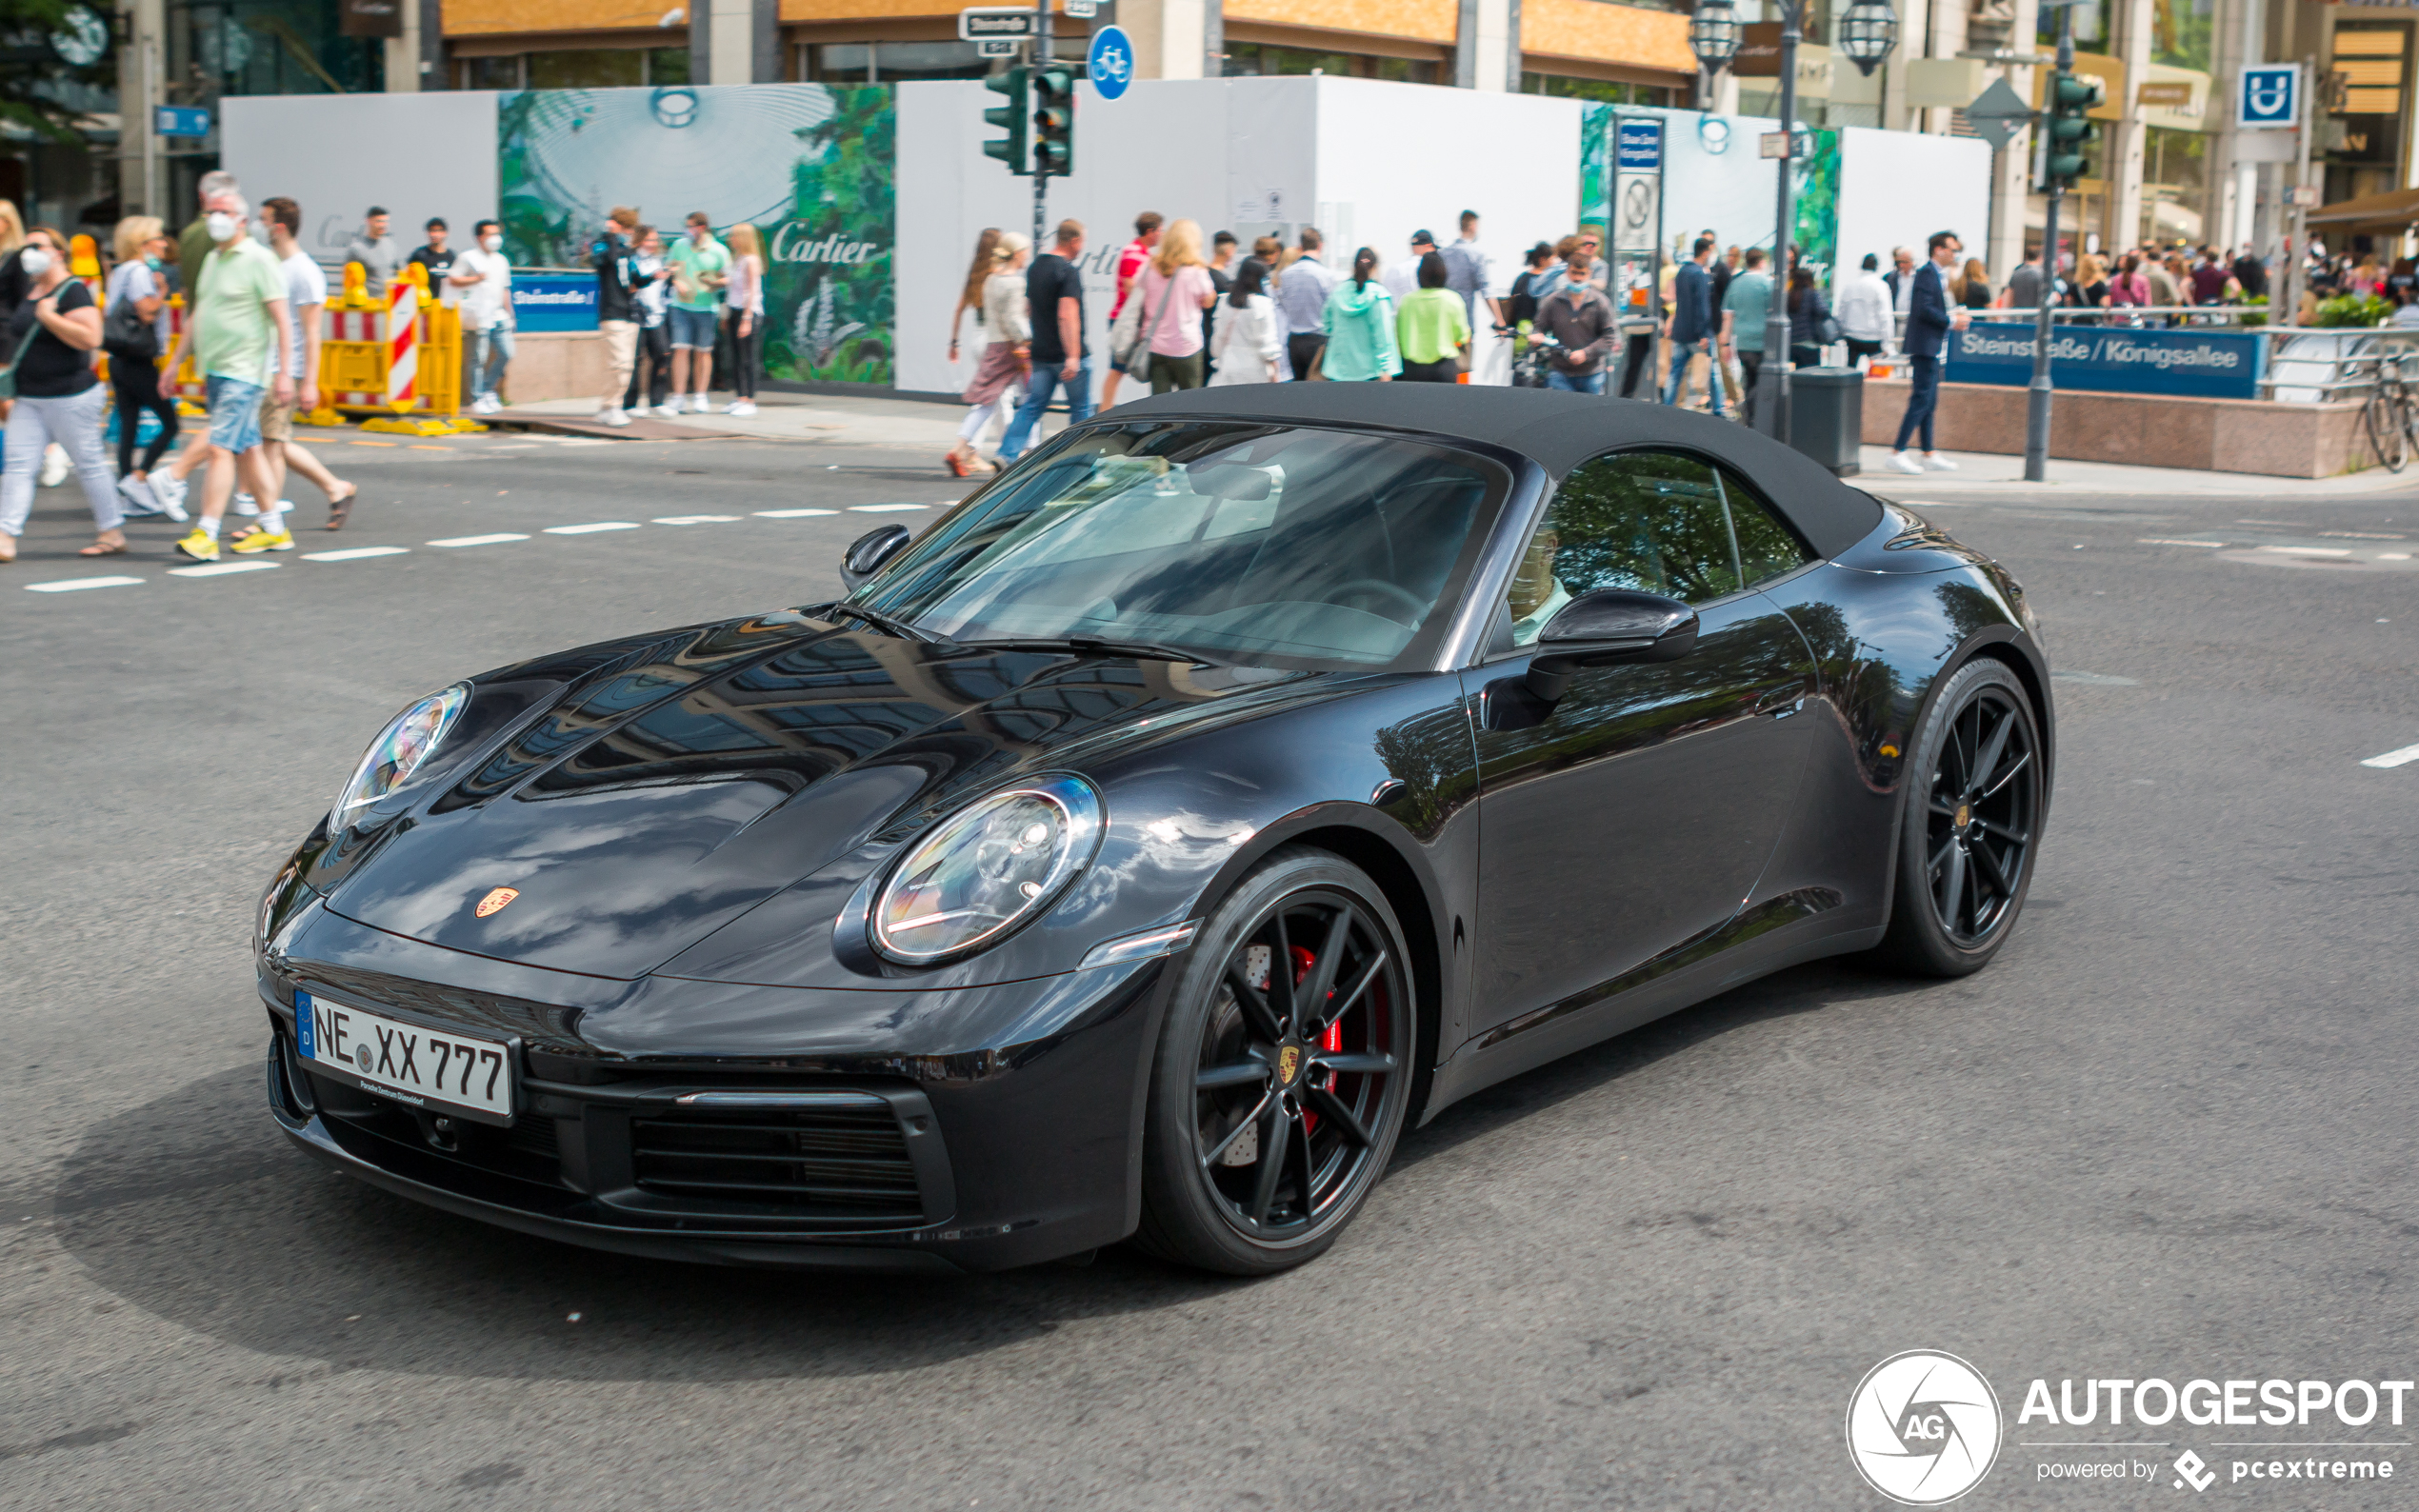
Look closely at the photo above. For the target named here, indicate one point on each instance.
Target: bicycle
(2391, 415)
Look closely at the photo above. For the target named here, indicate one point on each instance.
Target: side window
(1644, 520)
(1767, 548)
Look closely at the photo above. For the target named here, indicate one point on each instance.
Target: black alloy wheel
(1974, 819)
(1284, 1071)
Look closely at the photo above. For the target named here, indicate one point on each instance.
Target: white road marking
(790, 514)
(694, 519)
(583, 441)
(2160, 540)
(220, 569)
(2393, 556)
(75, 585)
(884, 508)
(478, 540)
(356, 553)
(590, 529)
(2309, 551)
(2394, 758)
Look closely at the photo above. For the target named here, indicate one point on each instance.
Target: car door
(1636, 813)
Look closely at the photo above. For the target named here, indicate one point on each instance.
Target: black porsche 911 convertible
(1238, 777)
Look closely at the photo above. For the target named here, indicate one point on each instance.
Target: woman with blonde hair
(1007, 351)
(51, 336)
(141, 245)
(1972, 287)
(1174, 289)
(743, 296)
(970, 294)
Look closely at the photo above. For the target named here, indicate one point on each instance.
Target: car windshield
(1238, 543)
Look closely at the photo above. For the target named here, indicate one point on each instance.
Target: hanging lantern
(1714, 34)
(1866, 32)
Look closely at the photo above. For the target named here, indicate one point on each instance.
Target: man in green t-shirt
(699, 265)
(1745, 304)
(239, 321)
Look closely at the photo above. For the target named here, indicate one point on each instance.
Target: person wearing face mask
(613, 257)
(243, 342)
(484, 276)
(135, 332)
(51, 337)
(1581, 321)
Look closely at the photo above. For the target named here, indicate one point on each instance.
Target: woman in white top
(744, 297)
(1247, 346)
(1007, 334)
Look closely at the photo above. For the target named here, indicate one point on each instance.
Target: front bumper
(991, 1161)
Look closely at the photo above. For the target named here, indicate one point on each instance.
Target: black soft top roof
(1559, 431)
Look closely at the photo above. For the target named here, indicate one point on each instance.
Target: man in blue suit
(1692, 325)
(1929, 322)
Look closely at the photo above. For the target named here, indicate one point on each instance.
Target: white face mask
(35, 261)
(494, 244)
(220, 226)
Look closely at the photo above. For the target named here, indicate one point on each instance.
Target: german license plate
(408, 1061)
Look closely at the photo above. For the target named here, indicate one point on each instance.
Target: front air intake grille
(841, 1161)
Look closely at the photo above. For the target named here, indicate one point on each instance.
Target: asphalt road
(2168, 1134)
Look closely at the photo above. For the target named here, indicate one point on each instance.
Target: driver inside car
(1535, 593)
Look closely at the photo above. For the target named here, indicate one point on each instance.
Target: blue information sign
(554, 301)
(1640, 143)
(2268, 96)
(180, 120)
(1112, 62)
(2204, 364)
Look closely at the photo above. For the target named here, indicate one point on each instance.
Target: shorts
(276, 418)
(234, 412)
(693, 329)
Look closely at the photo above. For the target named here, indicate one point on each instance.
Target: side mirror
(870, 552)
(1607, 627)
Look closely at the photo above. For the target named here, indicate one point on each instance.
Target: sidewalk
(846, 419)
(1983, 473)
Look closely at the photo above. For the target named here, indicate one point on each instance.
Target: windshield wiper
(892, 624)
(1147, 651)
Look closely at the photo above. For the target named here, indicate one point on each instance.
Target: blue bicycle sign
(1111, 63)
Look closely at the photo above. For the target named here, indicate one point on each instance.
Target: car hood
(671, 789)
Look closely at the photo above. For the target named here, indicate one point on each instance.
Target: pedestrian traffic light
(1054, 120)
(1010, 149)
(2071, 97)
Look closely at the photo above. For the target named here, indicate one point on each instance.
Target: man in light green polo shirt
(239, 323)
(699, 265)
(1745, 304)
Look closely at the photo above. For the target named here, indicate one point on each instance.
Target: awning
(2393, 209)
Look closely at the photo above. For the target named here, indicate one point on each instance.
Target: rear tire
(1276, 1095)
(1971, 827)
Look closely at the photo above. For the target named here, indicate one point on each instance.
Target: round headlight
(986, 870)
(401, 748)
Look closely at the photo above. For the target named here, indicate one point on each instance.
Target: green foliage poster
(1816, 234)
(812, 167)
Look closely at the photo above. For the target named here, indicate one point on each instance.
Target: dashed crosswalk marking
(694, 519)
(790, 514)
(2309, 551)
(592, 529)
(2160, 540)
(78, 584)
(2394, 758)
(221, 569)
(884, 508)
(356, 553)
(498, 539)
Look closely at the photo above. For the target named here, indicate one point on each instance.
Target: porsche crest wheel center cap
(1965, 816)
(1288, 1063)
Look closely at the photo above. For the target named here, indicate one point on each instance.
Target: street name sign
(180, 120)
(998, 24)
(1639, 142)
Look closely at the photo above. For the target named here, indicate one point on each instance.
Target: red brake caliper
(1333, 1039)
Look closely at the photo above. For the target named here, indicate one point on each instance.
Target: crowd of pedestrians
(678, 307)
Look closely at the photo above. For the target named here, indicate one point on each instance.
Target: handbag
(126, 336)
(1125, 342)
(1826, 331)
(9, 374)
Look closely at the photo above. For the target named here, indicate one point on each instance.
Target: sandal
(104, 548)
(339, 510)
(956, 464)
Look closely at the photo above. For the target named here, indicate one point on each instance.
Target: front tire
(1973, 822)
(1283, 1072)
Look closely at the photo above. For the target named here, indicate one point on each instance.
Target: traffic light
(1054, 120)
(2071, 97)
(1010, 149)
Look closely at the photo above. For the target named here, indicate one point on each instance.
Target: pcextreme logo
(1923, 1427)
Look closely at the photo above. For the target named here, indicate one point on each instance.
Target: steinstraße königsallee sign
(2208, 364)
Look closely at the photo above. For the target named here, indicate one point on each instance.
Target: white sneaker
(138, 495)
(742, 407)
(55, 465)
(670, 409)
(170, 490)
(246, 504)
(700, 404)
(1904, 462)
(1939, 463)
(614, 417)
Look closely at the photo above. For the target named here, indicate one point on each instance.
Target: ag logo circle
(1923, 1427)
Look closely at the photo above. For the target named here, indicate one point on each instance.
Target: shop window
(487, 73)
(1604, 92)
(1246, 59)
(587, 69)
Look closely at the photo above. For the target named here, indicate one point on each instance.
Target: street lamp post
(1867, 30)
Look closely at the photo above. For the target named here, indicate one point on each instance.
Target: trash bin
(1827, 416)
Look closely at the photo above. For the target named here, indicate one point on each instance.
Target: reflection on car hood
(673, 787)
